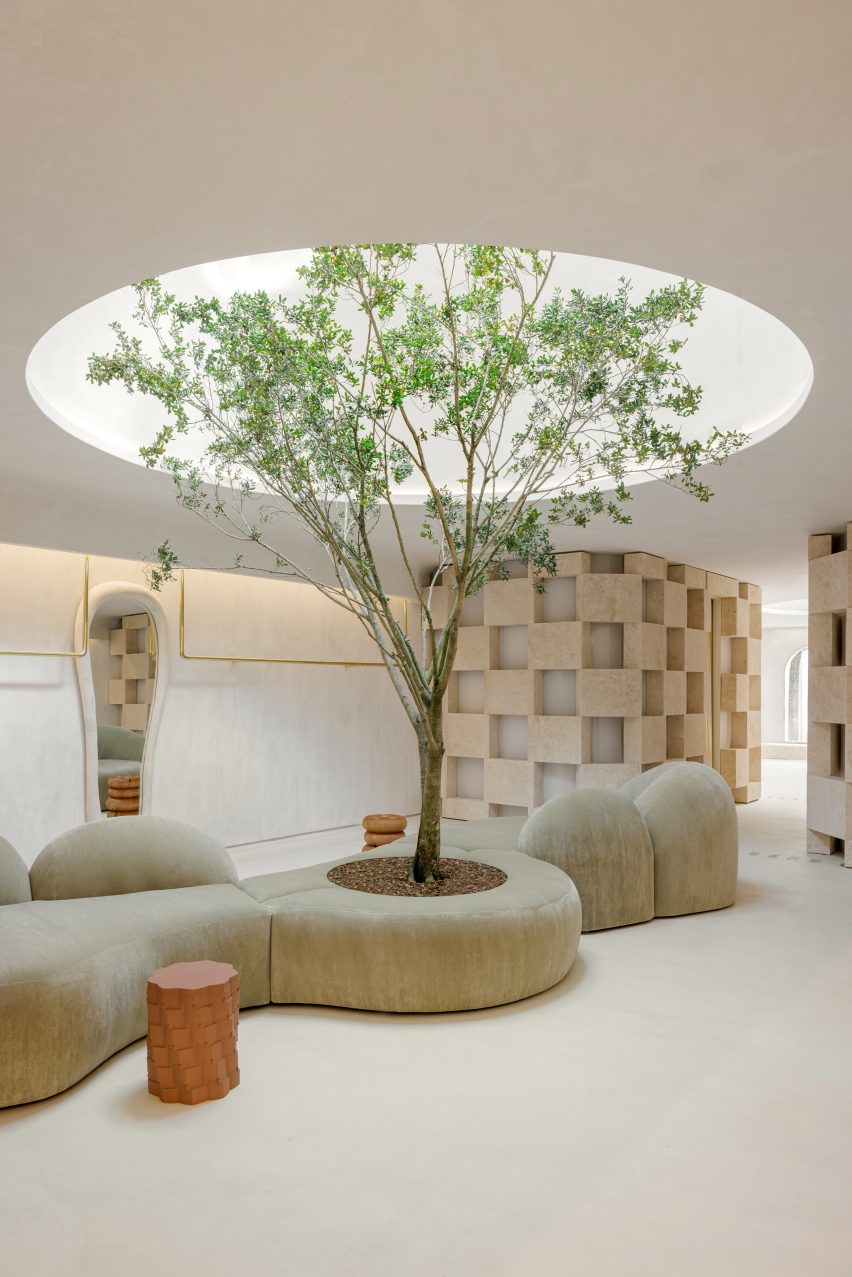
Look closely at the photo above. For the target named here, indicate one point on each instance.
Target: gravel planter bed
(388, 876)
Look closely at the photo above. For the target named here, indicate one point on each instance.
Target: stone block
(609, 597)
(733, 617)
(820, 639)
(722, 586)
(465, 808)
(819, 545)
(734, 693)
(827, 695)
(828, 583)
(609, 693)
(646, 565)
(733, 765)
(683, 574)
(508, 782)
(674, 692)
(472, 651)
(745, 730)
(574, 564)
(644, 646)
(827, 800)
(557, 738)
(694, 650)
(699, 613)
(606, 775)
(509, 691)
(509, 602)
(558, 645)
(467, 735)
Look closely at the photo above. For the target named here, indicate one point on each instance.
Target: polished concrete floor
(679, 1105)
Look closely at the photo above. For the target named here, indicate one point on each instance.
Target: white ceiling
(707, 141)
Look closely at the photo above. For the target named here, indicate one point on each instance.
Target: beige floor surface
(679, 1105)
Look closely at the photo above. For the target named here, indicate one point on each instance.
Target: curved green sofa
(114, 900)
(109, 902)
(664, 844)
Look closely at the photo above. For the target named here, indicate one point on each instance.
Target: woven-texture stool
(382, 828)
(193, 1013)
(123, 796)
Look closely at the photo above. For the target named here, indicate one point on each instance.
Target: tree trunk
(424, 867)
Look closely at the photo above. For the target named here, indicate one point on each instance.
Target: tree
(317, 408)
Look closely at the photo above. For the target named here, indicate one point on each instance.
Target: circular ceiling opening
(755, 373)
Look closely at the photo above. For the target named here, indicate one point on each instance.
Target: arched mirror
(120, 680)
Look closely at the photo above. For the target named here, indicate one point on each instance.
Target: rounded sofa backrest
(120, 742)
(14, 878)
(126, 854)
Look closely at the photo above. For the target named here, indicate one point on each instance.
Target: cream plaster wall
(247, 751)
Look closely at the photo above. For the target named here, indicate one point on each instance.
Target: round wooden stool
(193, 1013)
(381, 828)
(123, 795)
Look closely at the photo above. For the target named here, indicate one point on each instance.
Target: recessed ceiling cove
(754, 371)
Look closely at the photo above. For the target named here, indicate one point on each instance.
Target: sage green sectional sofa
(109, 902)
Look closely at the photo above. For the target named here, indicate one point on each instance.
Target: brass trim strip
(266, 660)
(85, 635)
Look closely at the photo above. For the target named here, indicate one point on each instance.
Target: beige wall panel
(647, 565)
(695, 735)
(827, 697)
(674, 692)
(464, 808)
(472, 652)
(733, 764)
(644, 646)
(827, 800)
(695, 651)
(573, 564)
(606, 775)
(819, 545)
(694, 578)
(734, 614)
(509, 602)
(508, 782)
(509, 691)
(609, 597)
(828, 583)
(467, 735)
(557, 738)
(609, 693)
(558, 645)
(722, 586)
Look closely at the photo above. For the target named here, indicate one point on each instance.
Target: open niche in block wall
(604, 672)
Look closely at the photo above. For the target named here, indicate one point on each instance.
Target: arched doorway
(796, 697)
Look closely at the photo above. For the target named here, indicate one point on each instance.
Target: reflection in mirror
(123, 652)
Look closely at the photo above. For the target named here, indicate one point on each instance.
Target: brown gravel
(388, 876)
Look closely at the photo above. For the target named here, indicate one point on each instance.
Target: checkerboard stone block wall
(603, 674)
(131, 684)
(829, 695)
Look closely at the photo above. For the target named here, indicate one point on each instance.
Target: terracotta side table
(193, 1012)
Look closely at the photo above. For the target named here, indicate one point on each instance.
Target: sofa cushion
(14, 878)
(120, 742)
(131, 853)
(73, 974)
(494, 833)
